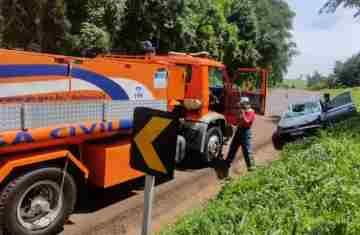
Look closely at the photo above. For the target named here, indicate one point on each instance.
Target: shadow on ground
(94, 198)
(274, 119)
(193, 161)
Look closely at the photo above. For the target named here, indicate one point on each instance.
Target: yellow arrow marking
(144, 141)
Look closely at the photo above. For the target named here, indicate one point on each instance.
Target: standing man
(327, 101)
(243, 135)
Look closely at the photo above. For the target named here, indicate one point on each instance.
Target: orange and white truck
(66, 121)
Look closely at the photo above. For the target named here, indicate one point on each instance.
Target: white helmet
(244, 100)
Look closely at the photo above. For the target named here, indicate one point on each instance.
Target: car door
(340, 107)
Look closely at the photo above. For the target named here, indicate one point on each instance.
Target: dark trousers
(241, 138)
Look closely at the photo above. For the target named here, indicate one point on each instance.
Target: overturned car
(303, 119)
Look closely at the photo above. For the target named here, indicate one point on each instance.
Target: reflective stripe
(113, 89)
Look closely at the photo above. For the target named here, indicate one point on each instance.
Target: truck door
(249, 82)
(177, 83)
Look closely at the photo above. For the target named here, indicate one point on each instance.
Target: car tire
(277, 141)
(30, 204)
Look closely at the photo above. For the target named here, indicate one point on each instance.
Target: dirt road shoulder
(189, 190)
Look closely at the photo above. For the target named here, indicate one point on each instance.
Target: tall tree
(39, 23)
(95, 26)
(275, 42)
(332, 5)
(227, 28)
(241, 50)
(348, 73)
(339, 67)
(241, 33)
(107, 15)
(152, 20)
(315, 79)
(76, 13)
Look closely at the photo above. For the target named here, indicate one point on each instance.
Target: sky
(322, 39)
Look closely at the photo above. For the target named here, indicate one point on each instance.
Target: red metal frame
(233, 96)
(264, 75)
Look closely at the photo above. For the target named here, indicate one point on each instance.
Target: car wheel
(277, 141)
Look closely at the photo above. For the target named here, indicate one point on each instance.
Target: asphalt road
(119, 210)
(280, 99)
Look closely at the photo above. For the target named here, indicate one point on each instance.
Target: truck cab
(203, 124)
(211, 101)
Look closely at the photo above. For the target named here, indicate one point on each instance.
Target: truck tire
(213, 144)
(31, 204)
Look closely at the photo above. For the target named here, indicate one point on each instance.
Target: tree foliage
(150, 20)
(95, 26)
(241, 33)
(332, 5)
(317, 81)
(345, 74)
(34, 23)
(275, 42)
(348, 73)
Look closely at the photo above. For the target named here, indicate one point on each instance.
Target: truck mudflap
(180, 149)
(7, 165)
(195, 133)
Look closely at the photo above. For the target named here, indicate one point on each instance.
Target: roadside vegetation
(293, 84)
(243, 33)
(313, 189)
(345, 74)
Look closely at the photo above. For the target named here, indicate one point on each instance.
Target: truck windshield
(216, 78)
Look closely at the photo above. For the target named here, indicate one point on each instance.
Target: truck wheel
(33, 204)
(213, 145)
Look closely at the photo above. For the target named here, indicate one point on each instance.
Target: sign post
(153, 150)
(148, 199)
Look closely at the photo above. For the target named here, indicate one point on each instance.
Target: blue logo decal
(139, 92)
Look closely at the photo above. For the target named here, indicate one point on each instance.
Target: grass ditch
(313, 189)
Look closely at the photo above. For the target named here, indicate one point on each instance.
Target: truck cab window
(216, 89)
(216, 78)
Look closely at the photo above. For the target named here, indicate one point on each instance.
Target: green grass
(314, 189)
(296, 83)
